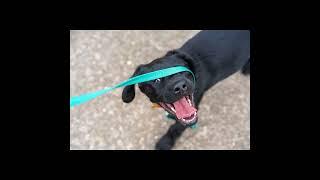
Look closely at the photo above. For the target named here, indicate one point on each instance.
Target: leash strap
(77, 100)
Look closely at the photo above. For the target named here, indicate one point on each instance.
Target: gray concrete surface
(104, 58)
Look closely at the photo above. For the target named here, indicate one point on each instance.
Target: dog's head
(173, 93)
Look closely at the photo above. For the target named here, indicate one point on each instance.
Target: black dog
(212, 56)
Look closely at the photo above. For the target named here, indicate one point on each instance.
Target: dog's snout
(180, 87)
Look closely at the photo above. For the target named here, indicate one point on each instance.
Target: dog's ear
(128, 92)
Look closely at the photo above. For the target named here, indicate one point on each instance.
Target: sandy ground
(105, 58)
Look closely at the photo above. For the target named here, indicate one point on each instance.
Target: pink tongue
(183, 108)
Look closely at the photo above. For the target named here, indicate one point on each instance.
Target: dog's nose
(180, 87)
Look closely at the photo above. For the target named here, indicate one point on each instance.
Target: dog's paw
(165, 143)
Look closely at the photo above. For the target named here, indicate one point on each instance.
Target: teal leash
(77, 100)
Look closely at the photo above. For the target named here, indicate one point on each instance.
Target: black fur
(129, 92)
(246, 69)
(211, 55)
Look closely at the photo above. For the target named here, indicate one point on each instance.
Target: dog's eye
(157, 81)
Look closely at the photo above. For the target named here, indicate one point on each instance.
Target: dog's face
(173, 93)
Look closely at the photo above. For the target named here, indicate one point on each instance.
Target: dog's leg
(168, 140)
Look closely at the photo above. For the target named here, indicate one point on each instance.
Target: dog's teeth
(189, 101)
(173, 109)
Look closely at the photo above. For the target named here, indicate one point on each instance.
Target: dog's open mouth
(183, 109)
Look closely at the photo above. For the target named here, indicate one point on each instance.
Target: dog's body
(212, 56)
